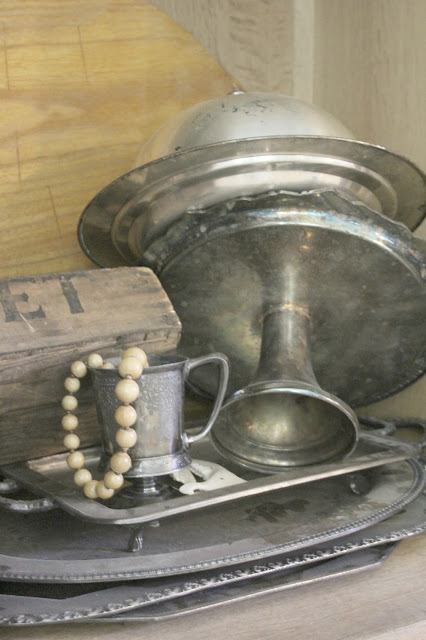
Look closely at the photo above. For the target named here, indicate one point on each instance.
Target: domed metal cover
(238, 116)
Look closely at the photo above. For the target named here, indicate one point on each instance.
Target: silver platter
(148, 601)
(121, 221)
(51, 477)
(56, 547)
(267, 585)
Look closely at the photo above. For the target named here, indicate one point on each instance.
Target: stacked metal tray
(266, 534)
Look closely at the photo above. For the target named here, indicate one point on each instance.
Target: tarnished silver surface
(149, 600)
(119, 224)
(52, 477)
(21, 504)
(7, 486)
(33, 505)
(341, 566)
(283, 418)
(243, 144)
(162, 445)
(360, 276)
(57, 547)
(237, 116)
(47, 603)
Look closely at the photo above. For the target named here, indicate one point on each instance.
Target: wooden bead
(75, 460)
(81, 477)
(137, 353)
(90, 489)
(103, 492)
(120, 462)
(95, 361)
(79, 369)
(113, 480)
(126, 438)
(130, 367)
(71, 441)
(72, 385)
(69, 403)
(70, 422)
(127, 390)
(126, 416)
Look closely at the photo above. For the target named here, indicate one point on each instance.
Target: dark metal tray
(56, 547)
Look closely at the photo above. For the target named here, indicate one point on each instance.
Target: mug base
(159, 465)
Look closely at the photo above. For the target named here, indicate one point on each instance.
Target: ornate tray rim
(139, 608)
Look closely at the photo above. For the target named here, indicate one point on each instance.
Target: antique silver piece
(243, 144)
(283, 418)
(304, 288)
(162, 445)
(286, 283)
(33, 604)
(32, 505)
(57, 547)
(28, 505)
(340, 566)
(51, 476)
(237, 116)
(166, 598)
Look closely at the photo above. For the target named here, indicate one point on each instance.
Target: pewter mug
(162, 445)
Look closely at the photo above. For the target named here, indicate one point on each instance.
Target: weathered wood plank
(48, 321)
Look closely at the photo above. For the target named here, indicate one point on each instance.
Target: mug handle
(223, 362)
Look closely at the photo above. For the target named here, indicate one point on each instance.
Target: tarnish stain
(273, 512)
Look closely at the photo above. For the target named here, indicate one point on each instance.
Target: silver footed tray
(57, 547)
(50, 476)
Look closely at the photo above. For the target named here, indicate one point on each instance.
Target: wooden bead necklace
(132, 363)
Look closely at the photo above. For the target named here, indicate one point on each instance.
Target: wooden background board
(82, 86)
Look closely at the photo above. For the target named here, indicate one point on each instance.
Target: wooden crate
(46, 322)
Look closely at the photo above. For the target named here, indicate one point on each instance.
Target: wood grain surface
(82, 86)
(370, 70)
(252, 39)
